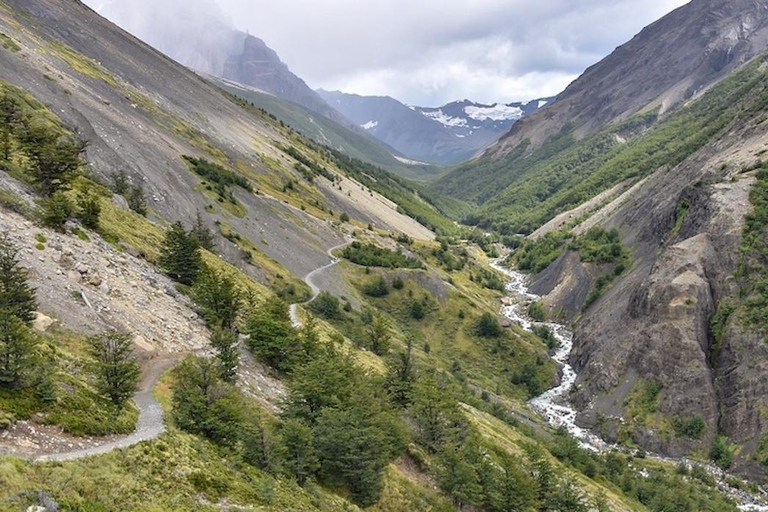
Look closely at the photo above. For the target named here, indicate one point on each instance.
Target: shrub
(536, 312)
(692, 428)
(487, 326)
(376, 288)
(344, 217)
(326, 305)
(417, 310)
(369, 255)
(398, 283)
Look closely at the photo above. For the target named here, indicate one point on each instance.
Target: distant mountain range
(448, 135)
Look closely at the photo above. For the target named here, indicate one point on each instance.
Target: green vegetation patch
(369, 255)
(8, 43)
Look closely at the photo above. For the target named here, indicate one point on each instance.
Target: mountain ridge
(449, 134)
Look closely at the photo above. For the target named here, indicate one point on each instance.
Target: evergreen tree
(299, 458)
(224, 342)
(116, 371)
(10, 118)
(136, 200)
(56, 210)
(17, 297)
(180, 257)
(436, 413)
(271, 336)
(417, 310)
(16, 350)
(400, 377)
(326, 381)
(219, 298)
(120, 183)
(202, 234)
(259, 447)
(515, 490)
(89, 208)
(356, 442)
(379, 334)
(54, 160)
(457, 476)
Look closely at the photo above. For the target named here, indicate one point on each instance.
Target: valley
(222, 290)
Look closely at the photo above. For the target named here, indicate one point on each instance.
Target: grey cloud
(432, 51)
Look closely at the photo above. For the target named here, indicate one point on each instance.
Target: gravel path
(149, 426)
(309, 279)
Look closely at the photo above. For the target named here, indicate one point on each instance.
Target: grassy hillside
(520, 192)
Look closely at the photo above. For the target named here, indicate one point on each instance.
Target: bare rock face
(654, 323)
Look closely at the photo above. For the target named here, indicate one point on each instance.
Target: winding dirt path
(309, 279)
(150, 423)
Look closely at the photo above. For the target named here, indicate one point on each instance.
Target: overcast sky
(430, 52)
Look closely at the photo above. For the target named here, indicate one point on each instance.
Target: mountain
(447, 135)
(638, 200)
(329, 133)
(199, 36)
(669, 63)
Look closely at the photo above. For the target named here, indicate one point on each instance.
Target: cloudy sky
(430, 52)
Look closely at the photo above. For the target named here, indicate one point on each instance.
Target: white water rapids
(554, 405)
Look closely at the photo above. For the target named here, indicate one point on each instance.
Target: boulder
(42, 323)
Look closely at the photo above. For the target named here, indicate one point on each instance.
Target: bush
(344, 217)
(692, 428)
(536, 312)
(488, 326)
(417, 310)
(721, 453)
(376, 288)
(369, 255)
(600, 246)
(398, 283)
(326, 305)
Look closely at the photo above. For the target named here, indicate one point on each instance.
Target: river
(554, 405)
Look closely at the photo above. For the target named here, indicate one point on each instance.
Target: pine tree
(224, 342)
(17, 297)
(218, 296)
(10, 117)
(16, 350)
(116, 371)
(202, 234)
(56, 210)
(180, 257)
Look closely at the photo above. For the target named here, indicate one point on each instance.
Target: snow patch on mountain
(442, 118)
(542, 103)
(497, 112)
(370, 125)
